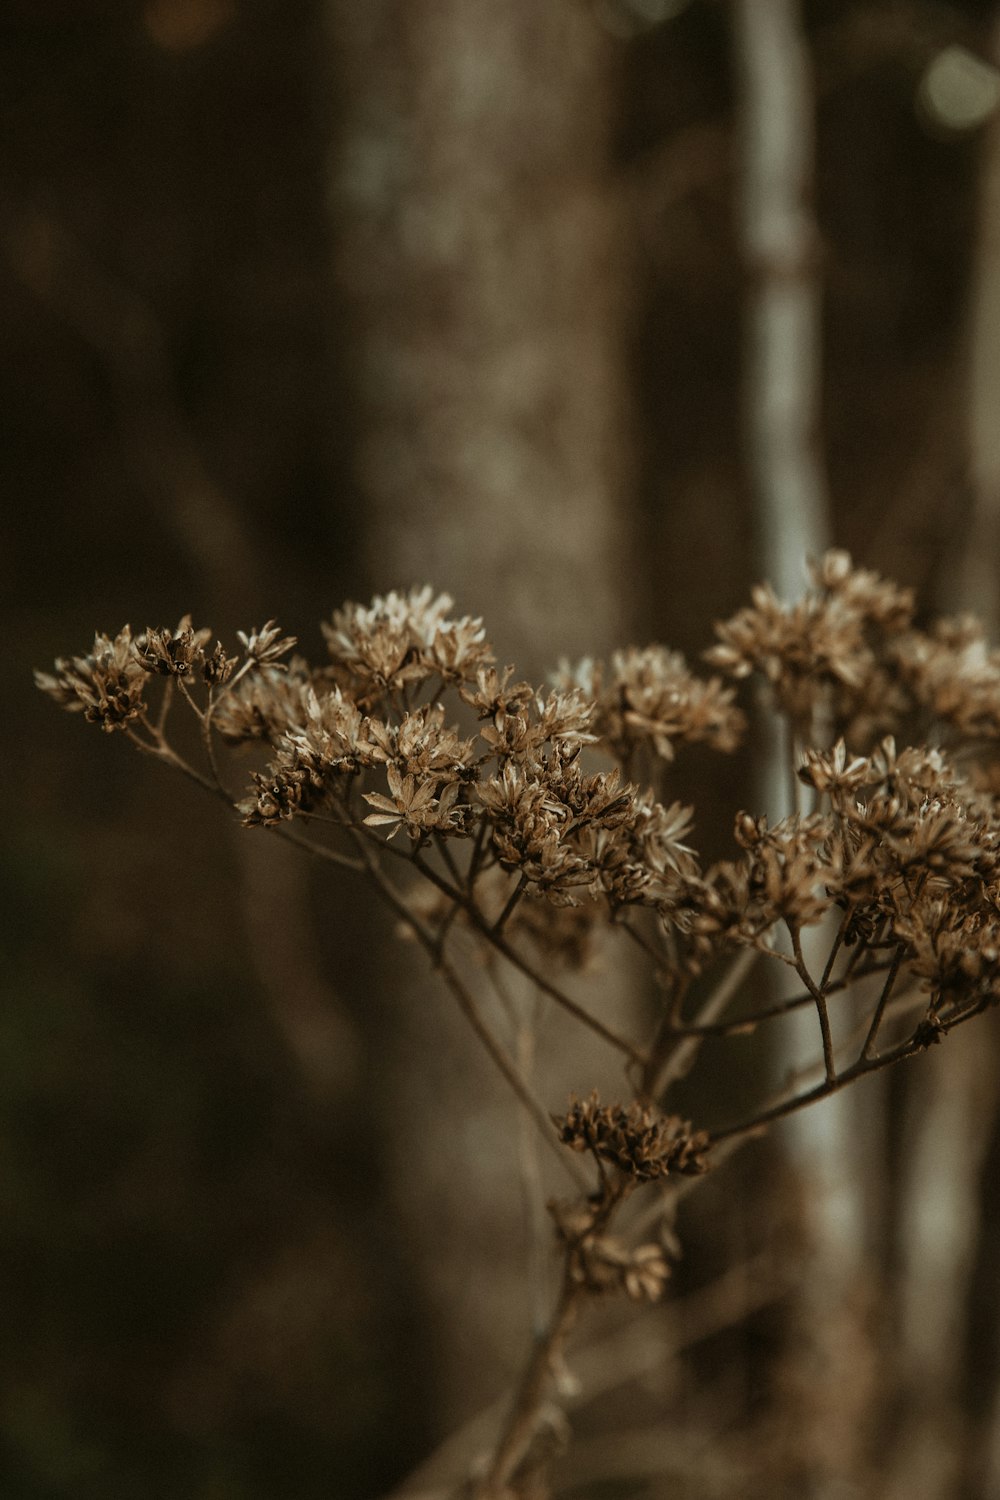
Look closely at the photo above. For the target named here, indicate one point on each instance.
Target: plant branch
(820, 999)
(495, 1049)
(792, 1103)
(883, 998)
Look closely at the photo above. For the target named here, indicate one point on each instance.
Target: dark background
(206, 1290)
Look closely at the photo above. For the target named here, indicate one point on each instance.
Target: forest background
(303, 300)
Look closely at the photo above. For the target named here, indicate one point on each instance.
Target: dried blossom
(419, 806)
(955, 955)
(604, 1263)
(264, 704)
(953, 676)
(794, 869)
(836, 771)
(422, 744)
(267, 645)
(106, 686)
(643, 1143)
(278, 794)
(495, 696)
(651, 697)
(458, 650)
(173, 653)
(526, 820)
(824, 653)
(217, 666)
(877, 601)
(557, 724)
(402, 640)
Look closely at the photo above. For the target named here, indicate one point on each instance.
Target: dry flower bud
(106, 686)
(640, 1141)
(176, 653)
(266, 645)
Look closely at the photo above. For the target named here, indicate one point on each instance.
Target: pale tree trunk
(783, 316)
(828, 1379)
(476, 254)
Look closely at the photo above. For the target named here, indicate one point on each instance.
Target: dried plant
(529, 820)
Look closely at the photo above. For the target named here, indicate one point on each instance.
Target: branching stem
(820, 999)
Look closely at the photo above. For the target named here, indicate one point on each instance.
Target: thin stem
(504, 1062)
(791, 1103)
(798, 790)
(555, 993)
(503, 994)
(165, 702)
(664, 1037)
(820, 999)
(537, 1224)
(677, 1062)
(883, 998)
(433, 943)
(510, 904)
(834, 950)
(189, 698)
(747, 1024)
(501, 1057)
(166, 753)
(227, 687)
(500, 943)
(478, 849)
(318, 851)
(209, 744)
(522, 1424)
(861, 947)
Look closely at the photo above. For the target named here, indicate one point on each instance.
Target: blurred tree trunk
(475, 249)
(476, 253)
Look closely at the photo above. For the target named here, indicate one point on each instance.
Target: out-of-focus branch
(610, 1360)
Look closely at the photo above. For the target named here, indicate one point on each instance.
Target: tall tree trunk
(475, 258)
(476, 250)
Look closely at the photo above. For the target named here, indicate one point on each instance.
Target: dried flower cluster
(650, 697)
(107, 685)
(412, 731)
(639, 1140)
(602, 1262)
(533, 822)
(847, 661)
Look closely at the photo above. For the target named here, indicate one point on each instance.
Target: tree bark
(475, 251)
